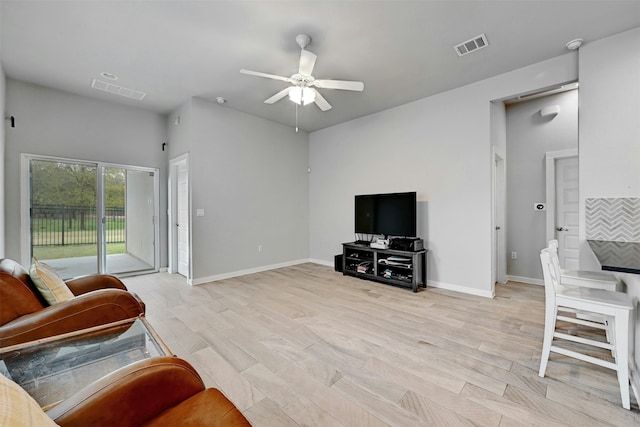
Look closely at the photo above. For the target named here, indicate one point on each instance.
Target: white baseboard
(232, 274)
(523, 279)
(441, 285)
(461, 289)
(321, 262)
(164, 270)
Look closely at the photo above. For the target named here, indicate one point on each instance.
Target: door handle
(497, 227)
(562, 229)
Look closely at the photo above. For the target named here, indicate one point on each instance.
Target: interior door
(566, 223)
(182, 202)
(499, 219)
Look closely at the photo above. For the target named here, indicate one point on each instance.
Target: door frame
(499, 217)
(25, 205)
(174, 164)
(550, 186)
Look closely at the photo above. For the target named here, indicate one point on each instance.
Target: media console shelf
(391, 266)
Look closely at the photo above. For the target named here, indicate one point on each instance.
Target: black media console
(407, 269)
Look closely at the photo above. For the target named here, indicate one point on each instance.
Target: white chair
(589, 279)
(612, 309)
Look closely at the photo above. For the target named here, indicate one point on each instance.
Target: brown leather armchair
(161, 391)
(26, 316)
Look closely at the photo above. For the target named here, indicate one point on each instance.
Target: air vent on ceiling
(117, 90)
(471, 45)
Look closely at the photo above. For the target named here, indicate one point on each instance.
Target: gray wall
(2, 167)
(529, 137)
(250, 176)
(55, 123)
(438, 146)
(2, 150)
(609, 135)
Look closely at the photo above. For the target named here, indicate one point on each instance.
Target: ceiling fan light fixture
(308, 96)
(302, 96)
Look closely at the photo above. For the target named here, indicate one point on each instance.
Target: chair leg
(611, 336)
(549, 329)
(622, 352)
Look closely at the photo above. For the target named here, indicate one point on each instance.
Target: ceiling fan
(303, 85)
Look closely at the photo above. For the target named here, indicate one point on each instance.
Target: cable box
(407, 244)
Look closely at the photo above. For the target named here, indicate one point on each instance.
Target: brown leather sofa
(161, 391)
(26, 316)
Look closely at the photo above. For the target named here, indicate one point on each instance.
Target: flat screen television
(391, 214)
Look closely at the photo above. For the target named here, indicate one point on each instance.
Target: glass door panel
(63, 224)
(129, 220)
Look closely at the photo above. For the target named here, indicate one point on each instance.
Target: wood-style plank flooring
(306, 346)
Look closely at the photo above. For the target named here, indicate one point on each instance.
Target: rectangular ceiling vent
(117, 90)
(471, 45)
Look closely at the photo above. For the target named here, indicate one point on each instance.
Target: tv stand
(407, 269)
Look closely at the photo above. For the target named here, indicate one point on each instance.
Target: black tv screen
(392, 214)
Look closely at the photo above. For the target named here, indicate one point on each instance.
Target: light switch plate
(199, 212)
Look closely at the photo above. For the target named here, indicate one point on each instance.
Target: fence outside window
(63, 225)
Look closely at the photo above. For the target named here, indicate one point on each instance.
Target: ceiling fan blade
(269, 76)
(278, 96)
(320, 101)
(307, 62)
(339, 84)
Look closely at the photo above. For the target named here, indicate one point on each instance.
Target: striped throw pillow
(50, 285)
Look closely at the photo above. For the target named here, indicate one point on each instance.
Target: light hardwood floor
(306, 346)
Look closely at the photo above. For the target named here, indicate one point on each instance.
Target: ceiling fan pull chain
(296, 118)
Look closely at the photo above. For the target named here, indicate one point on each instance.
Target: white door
(567, 212)
(500, 272)
(182, 203)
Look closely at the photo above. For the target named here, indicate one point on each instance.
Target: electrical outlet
(259, 248)
(514, 255)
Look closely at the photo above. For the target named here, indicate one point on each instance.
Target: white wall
(610, 134)
(55, 123)
(438, 146)
(529, 137)
(250, 177)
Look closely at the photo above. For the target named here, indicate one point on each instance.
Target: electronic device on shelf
(407, 244)
(380, 244)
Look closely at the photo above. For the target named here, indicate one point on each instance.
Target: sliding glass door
(63, 216)
(129, 220)
(87, 218)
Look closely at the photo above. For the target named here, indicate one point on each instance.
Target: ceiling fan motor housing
(302, 80)
(303, 40)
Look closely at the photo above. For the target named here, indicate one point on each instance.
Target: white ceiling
(401, 50)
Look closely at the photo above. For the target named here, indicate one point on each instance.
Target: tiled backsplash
(612, 219)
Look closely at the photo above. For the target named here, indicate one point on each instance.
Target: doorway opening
(531, 137)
